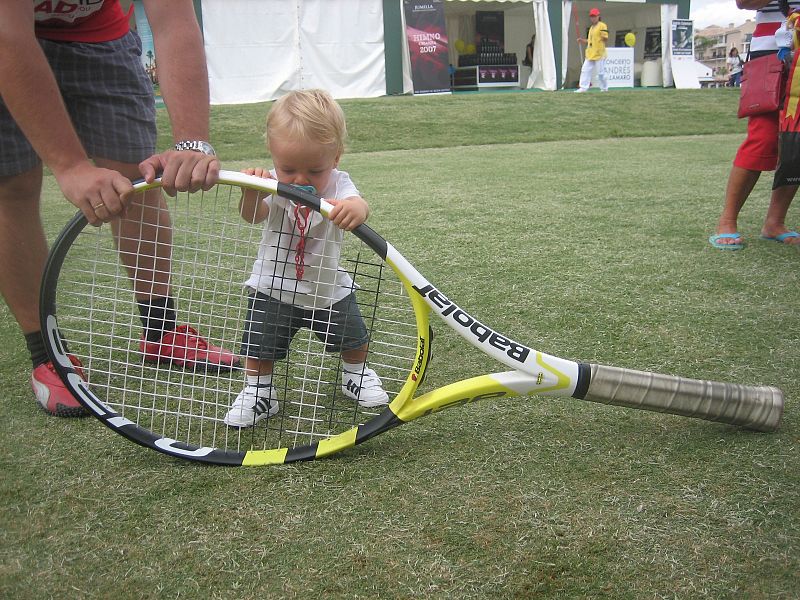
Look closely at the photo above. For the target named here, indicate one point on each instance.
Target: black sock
(158, 316)
(35, 343)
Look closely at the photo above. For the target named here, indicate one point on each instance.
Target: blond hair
(308, 116)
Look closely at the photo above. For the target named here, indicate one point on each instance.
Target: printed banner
(619, 67)
(427, 46)
(684, 67)
(682, 37)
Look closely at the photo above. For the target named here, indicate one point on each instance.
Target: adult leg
(775, 221)
(144, 241)
(758, 152)
(23, 246)
(601, 75)
(740, 183)
(586, 75)
(144, 238)
(23, 253)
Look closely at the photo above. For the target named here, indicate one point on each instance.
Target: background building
(712, 45)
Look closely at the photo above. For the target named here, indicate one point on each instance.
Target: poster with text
(684, 67)
(427, 46)
(619, 67)
(682, 37)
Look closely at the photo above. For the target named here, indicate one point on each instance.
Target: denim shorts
(271, 325)
(108, 96)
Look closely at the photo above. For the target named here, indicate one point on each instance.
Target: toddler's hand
(349, 213)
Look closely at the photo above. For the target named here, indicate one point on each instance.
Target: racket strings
(211, 254)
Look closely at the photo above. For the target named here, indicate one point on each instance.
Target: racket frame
(533, 372)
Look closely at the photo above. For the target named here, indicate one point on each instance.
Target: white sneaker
(251, 405)
(581, 91)
(366, 388)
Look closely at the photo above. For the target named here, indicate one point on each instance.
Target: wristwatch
(196, 146)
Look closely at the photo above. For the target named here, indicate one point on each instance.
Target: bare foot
(781, 235)
(726, 238)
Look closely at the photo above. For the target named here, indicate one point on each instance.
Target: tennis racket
(88, 311)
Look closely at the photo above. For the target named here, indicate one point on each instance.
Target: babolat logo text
(482, 333)
(421, 356)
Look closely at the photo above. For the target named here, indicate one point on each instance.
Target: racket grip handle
(754, 407)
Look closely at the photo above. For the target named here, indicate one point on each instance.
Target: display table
(489, 76)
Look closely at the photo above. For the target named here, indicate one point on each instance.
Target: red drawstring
(301, 218)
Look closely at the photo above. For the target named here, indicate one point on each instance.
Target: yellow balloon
(630, 38)
(460, 45)
(471, 48)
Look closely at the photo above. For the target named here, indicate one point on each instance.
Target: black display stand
(480, 77)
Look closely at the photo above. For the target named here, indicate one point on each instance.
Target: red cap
(595, 12)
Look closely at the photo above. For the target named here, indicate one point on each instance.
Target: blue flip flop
(780, 238)
(714, 240)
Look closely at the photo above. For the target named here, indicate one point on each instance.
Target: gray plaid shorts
(108, 96)
(271, 325)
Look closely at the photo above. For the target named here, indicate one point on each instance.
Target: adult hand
(184, 170)
(258, 172)
(100, 194)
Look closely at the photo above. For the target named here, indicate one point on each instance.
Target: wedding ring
(98, 206)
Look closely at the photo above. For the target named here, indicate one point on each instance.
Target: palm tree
(701, 44)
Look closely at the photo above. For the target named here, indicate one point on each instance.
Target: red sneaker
(53, 397)
(185, 348)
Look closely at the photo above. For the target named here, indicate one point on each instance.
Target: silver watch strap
(196, 146)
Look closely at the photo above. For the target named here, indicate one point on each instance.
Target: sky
(718, 12)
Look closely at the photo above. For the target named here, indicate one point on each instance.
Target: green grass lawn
(575, 223)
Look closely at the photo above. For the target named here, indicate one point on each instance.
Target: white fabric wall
(543, 72)
(257, 50)
(668, 13)
(567, 41)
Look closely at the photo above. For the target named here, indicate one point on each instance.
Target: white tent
(257, 50)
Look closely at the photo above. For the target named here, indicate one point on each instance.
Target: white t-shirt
(734, 65)
(324, 282)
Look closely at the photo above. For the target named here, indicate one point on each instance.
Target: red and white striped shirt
(768, 19)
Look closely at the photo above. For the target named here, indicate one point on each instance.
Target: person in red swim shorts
(759, 151)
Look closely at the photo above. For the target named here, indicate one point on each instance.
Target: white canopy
(257, 50)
